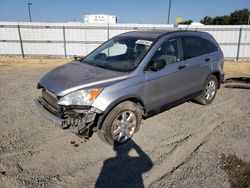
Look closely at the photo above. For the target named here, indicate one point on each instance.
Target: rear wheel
(121, 123)
(209, 91)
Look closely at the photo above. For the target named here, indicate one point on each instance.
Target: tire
(120, 124)
(209, 91)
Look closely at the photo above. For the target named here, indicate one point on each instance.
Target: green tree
(207, 20)
(221, 20)
(187, 22)
(238, 17)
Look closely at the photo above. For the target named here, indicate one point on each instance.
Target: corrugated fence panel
(76, 49)
(47, 49)
(244, 52)
(227, 37)
(10, 48)
(42, 40)
(114, 32)
(75, 41)
(76, 34)
(245, 43)
(9, 33)
(68, 39)
(96, 34)
(229, 51)
(46, 34)
(81, 41)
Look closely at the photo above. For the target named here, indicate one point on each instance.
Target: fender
(133, 98)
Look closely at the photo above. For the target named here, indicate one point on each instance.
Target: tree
(238, 17)
(187, 22)
(221, 20)
(207, 20)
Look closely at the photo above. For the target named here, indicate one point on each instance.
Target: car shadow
(124, 170)
(237, 83)
(238, 79)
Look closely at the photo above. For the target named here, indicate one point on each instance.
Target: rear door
(199, 61)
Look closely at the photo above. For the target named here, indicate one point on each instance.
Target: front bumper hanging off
(80, 126)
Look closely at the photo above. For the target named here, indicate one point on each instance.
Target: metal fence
(69, 39)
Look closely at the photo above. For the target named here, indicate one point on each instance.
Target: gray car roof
(152, 34)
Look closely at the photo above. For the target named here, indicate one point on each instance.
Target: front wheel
(121, 123)
(209, 91)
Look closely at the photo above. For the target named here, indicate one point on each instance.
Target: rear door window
(193, 46)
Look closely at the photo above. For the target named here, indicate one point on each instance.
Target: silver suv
(131, 77)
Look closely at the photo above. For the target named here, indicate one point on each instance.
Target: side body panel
(170, 83)
(217, 58)
(166, 85)
(156, 89)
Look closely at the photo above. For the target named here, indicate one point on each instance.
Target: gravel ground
(188, 146)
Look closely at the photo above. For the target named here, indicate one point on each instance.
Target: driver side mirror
(78, 58)
(156, 65)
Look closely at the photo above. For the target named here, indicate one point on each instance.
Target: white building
(99, 18)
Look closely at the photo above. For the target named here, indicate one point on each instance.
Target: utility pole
(248, 20)
(29, 11)
(169, 9)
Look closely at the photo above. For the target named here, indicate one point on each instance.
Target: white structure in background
(197, 24)
(99, 19)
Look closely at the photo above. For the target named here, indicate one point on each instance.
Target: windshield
(119, 54)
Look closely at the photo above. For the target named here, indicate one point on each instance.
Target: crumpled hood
(75, 75)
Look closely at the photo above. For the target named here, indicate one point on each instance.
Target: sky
(127, 11)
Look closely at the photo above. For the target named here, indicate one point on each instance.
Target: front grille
(51, 99)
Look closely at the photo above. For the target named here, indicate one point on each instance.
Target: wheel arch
(132, 98)
(218, 76)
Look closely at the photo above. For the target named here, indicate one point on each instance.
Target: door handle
(181, 67)
(207, 59)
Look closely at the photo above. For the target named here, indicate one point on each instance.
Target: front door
(170, 83)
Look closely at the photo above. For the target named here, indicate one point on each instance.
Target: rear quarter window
(211, 47)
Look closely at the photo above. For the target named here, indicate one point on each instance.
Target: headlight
(81, 97)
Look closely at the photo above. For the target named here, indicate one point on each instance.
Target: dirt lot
(188, 146)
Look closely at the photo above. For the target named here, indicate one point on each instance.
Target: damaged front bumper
(77, 121)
